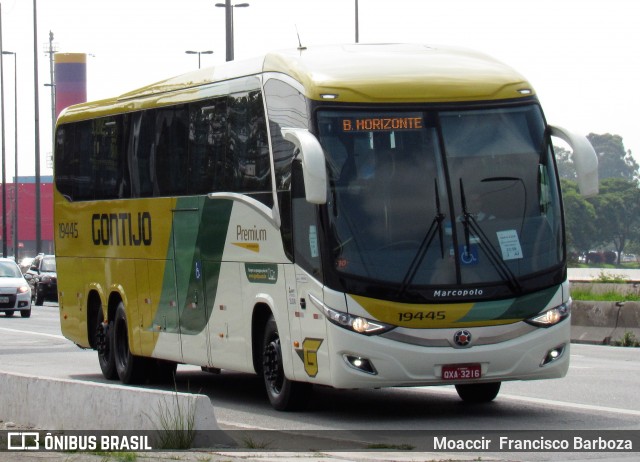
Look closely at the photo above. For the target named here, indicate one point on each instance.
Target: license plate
(4, 299)
(461, 371)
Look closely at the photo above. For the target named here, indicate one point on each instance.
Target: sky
(581, 56)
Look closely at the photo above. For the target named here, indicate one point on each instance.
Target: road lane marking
(60, 337)
(548, 402)
(579, 406)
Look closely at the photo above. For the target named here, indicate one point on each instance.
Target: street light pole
(229, 24)
(190, 52)
(15, 149)
(37, 127)
(4, 172)
(357, 24)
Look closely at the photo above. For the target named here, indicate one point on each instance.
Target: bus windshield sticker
(509, 244)
(313, 241)
(468, 256)
(382, 124)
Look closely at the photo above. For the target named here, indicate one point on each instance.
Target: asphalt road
(598, 394)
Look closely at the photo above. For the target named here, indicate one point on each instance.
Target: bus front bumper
(359, 361)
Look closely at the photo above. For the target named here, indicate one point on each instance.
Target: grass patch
(393, 447)
(177, 423)
(588, 295)
(628, 340)
(117, 456)
(604, 277)
(250, 443)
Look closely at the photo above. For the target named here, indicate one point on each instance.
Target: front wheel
(284, 394)
(39, 298)
(478, 392)
(131, 369)
(25, 313)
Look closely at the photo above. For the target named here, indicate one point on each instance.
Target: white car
(15, 294)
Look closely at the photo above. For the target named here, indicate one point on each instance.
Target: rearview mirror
(313, 163)
(584, 158)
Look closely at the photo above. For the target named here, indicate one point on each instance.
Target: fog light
(360, 364)
(553, 355)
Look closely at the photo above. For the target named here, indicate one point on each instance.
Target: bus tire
(478, 392)
(283, 394)
(131, 369)
(104, 337)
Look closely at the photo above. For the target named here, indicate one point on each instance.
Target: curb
(104, 407)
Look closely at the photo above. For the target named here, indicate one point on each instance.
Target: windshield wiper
(470, 224)
(436, 226)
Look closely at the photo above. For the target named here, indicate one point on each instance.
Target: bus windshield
(433, 198)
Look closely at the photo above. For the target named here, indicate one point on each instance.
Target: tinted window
(219, 144)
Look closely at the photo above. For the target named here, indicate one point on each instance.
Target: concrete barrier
(628, 320)
(604, 322)
(61, 404)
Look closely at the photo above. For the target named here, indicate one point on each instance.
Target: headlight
(551, 317)
(354, 323)
(23, 289)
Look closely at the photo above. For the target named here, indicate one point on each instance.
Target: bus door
(189, 275)
(307, 326)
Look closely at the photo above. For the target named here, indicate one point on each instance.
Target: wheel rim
(272, 366)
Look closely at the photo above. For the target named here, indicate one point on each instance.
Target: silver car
(15, 294)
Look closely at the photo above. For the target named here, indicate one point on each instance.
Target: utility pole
(4, 173)
(51, 52)
(37, 127)
(357, 24)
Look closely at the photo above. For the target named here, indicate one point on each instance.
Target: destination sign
(381, 124)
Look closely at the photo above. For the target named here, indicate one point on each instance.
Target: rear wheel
(131, 369)
(284, 394)
(104, 345)
(478, 392)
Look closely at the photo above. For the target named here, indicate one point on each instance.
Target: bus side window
(141, 153)
(64, 160)
(248, 147)
(106, 170)
(171, 151)
(207, 145)
(82, 154)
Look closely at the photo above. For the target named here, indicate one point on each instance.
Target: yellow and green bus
(355, 216)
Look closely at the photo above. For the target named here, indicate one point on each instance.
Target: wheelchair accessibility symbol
(468, 256)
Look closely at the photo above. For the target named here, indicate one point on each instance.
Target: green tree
(566, 169)
(613, 160)
(617, 209)
(580, 218)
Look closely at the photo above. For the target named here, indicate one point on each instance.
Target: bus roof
(384, 73)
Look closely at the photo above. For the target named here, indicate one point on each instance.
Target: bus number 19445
(68, 230)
